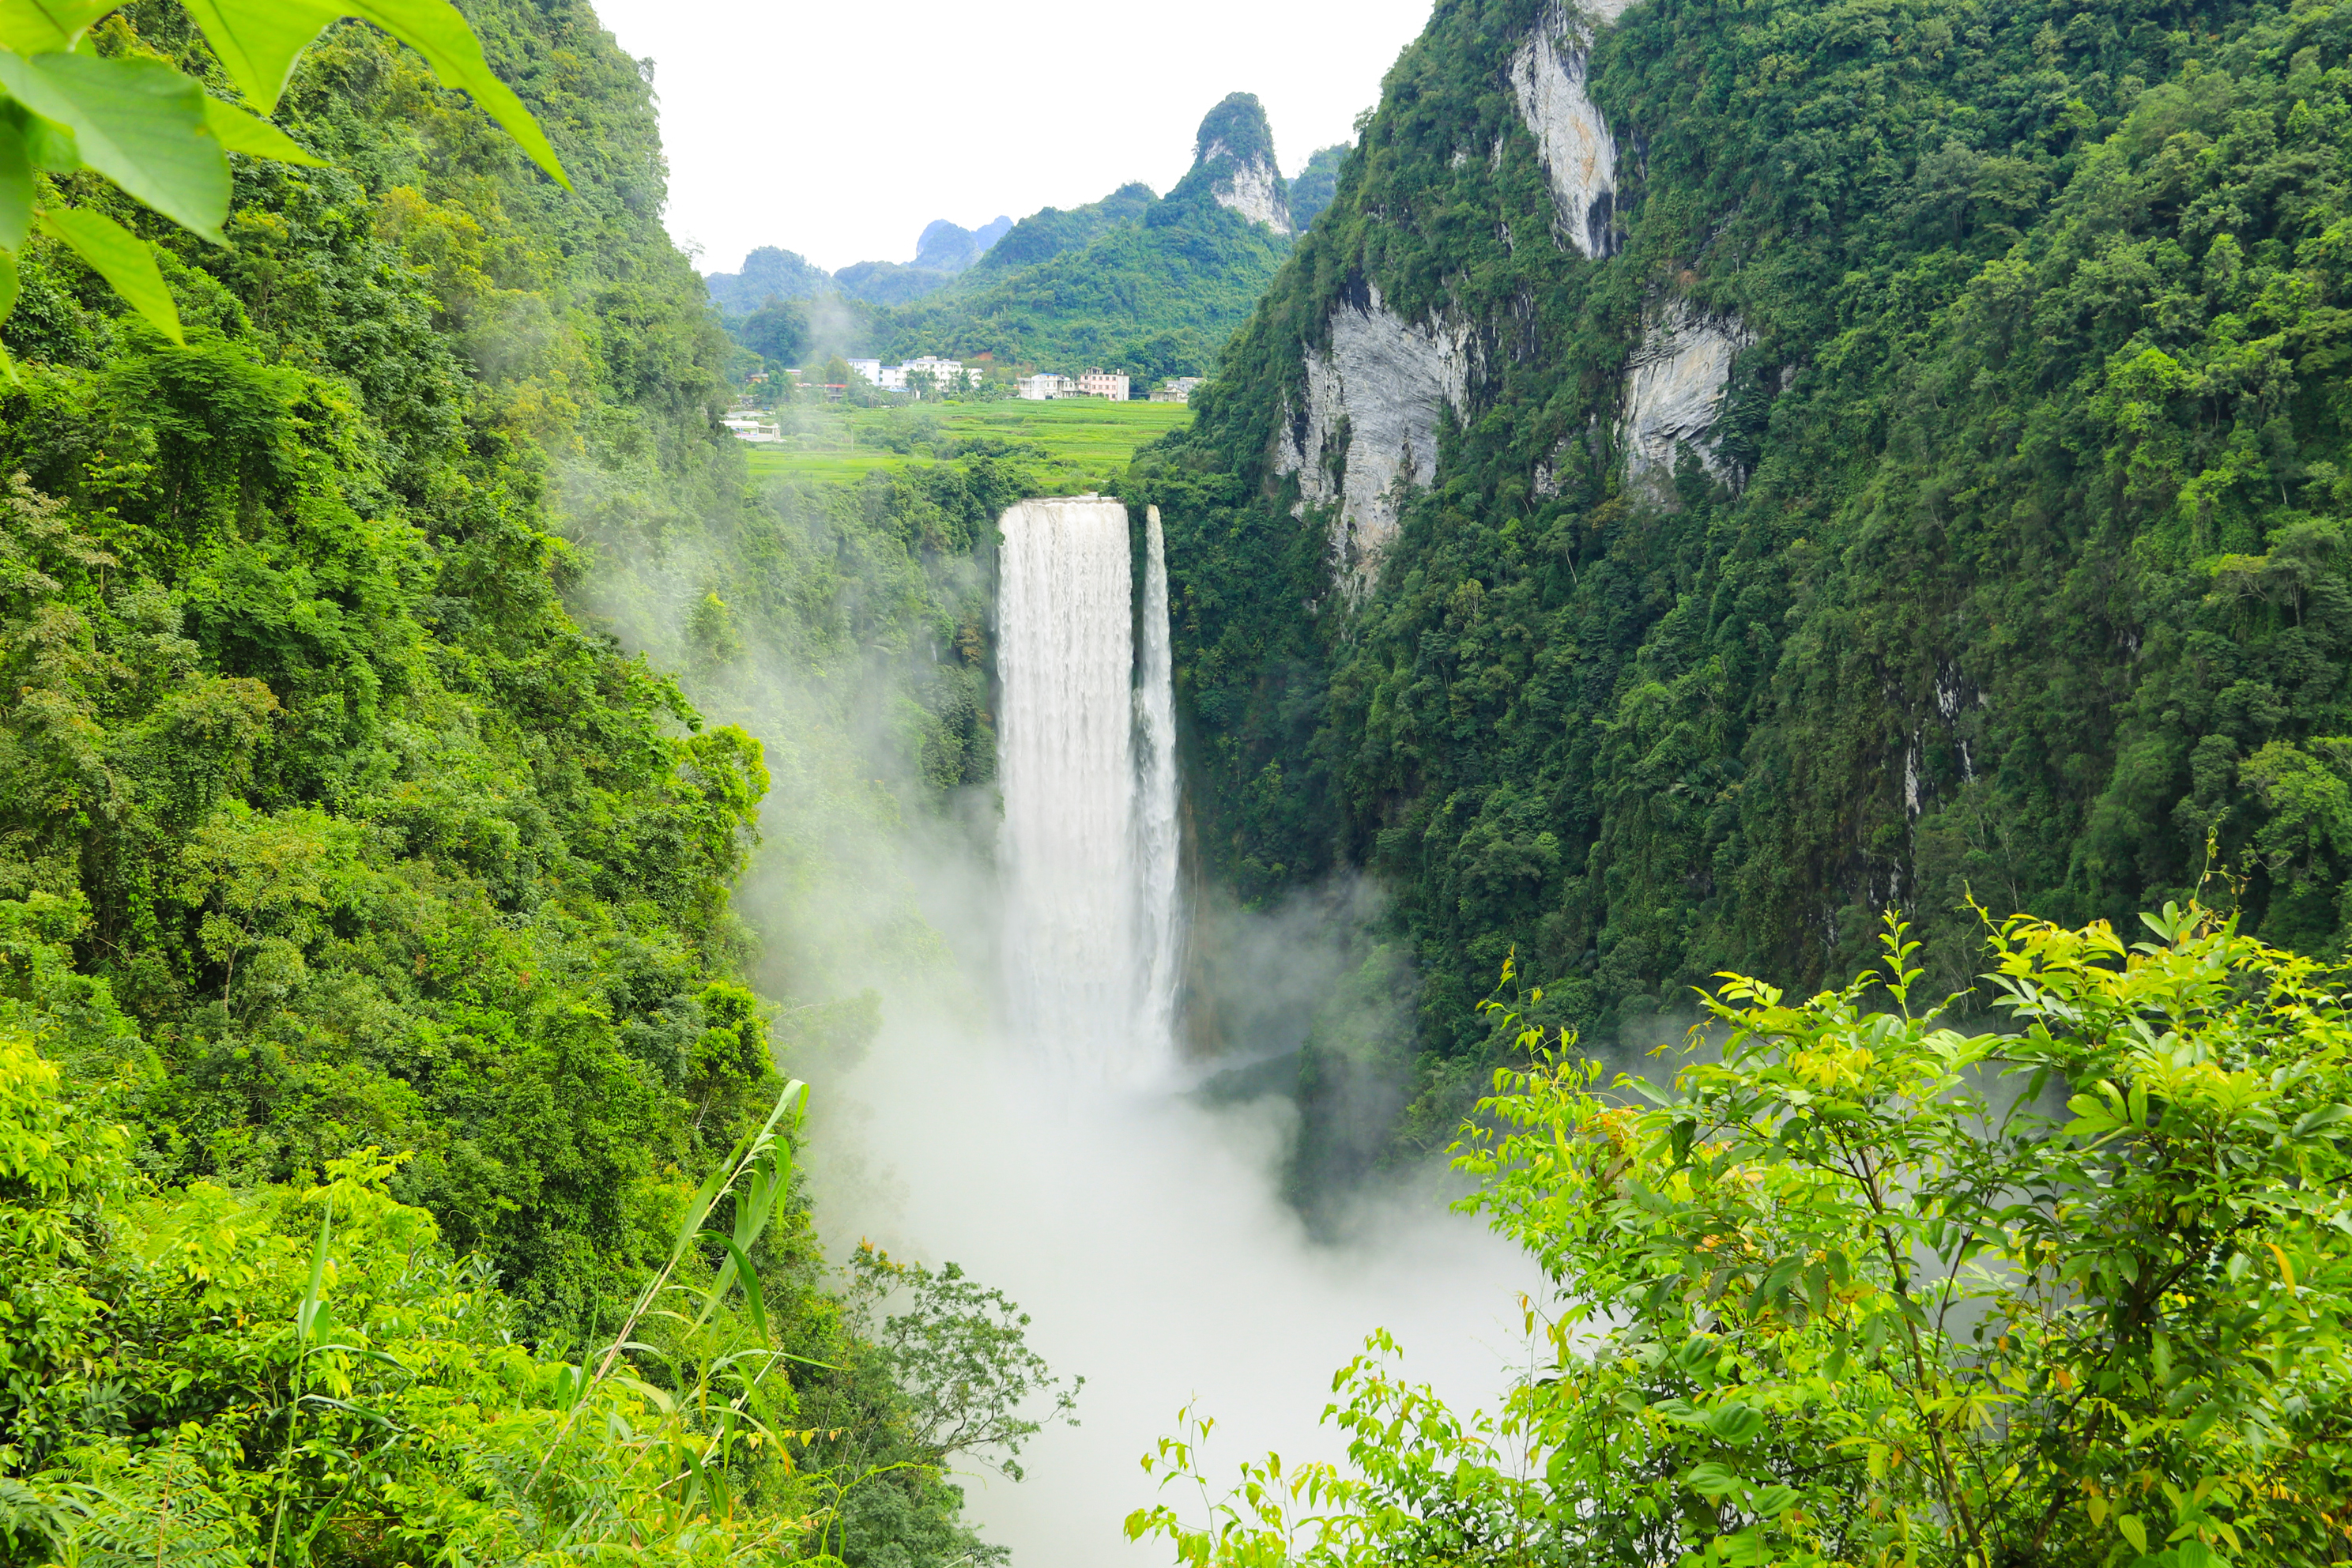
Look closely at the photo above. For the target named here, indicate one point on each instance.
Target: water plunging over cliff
(1088, 770)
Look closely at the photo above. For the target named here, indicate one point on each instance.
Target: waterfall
(1087, 847)
(1155, 817)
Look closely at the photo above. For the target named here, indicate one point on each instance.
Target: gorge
(573, 990)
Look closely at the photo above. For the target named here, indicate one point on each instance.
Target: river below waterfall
(1054, 1145)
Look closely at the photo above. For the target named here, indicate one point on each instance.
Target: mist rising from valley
(1153, 1224)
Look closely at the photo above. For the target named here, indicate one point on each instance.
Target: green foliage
(333, 839)
(1147, 286)
(889, 283)
(304, 1372)
(154, 133)
(2024, 553)
(768, 273)
(1852, 1289)
(957, 1348)
(1315, 185)
(1238, 127)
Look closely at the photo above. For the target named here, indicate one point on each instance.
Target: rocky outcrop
(1579, 153)
(1674, 384)
(1368, 426)
(1254, 191)
(1234, 156)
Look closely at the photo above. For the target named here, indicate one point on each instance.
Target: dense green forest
(2013, 563)
(1314, 185)
(379, 1036)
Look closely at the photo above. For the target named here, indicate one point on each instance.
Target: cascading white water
(1088, 772)
(1155, 818)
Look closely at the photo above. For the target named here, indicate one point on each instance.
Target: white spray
(1144, 1229)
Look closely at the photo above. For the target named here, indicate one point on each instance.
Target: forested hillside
(372, 998)
(1716, 473)
(1147, 284)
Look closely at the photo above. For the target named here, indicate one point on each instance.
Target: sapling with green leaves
(1849, 1289)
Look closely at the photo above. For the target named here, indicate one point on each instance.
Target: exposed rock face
(1674, 391)
(1578, 153)
(1253, 190)
(1369, 425)
(1234, 156)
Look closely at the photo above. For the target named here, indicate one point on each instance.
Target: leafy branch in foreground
(959, 1351)
(163, 140)
(1853, 1288)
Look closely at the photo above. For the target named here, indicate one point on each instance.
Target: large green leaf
(15, 186)
(242, 133)
(48, 144)
(259, 41)
(123, 259)
(40, 27)
(138, 123)
(435, 29)
(257, 44)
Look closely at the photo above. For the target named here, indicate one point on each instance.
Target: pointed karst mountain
(1150, 285)
(1233, 157)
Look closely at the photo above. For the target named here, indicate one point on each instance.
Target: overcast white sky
(839, 130)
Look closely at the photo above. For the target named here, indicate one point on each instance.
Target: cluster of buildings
(934, 370)
(1045, 386)
(930, 373)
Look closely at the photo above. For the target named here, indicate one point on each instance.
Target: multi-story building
(1176, 389)
(942, 372)
(871, 369)
(1045, 386)
(1111, 384)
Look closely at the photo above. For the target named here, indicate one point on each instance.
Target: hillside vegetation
(2013, 563)
(1150, 285)
(377, 1029)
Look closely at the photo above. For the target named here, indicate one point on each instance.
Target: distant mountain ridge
(768, 273)
(1151, 285)
(943, 252)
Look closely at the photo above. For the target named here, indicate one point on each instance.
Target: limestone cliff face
(1579, 153)
(1363, 425)
(1368, 423)
(1674, 393)
(1254, 191)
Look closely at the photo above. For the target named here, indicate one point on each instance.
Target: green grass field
(1073, 444)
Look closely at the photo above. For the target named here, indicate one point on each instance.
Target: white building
(1045, 386)
(892, 379)
(871, 369)
(944, 372)
(1177, 389)
(1104, 383)
(750, 425)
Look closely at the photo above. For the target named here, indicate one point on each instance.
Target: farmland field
(1072, 444)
